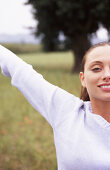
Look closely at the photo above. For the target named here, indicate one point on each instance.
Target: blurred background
(52, 36)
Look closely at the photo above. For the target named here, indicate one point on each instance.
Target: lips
(105, 86)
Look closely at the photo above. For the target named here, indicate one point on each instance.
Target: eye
(96, 69)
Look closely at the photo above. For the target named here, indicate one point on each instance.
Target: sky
(15, 17)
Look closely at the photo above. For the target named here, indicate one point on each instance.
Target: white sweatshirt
(82, 138)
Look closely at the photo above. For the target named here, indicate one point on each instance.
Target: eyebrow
(95, 62)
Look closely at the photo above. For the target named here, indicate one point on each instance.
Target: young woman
(81, 126)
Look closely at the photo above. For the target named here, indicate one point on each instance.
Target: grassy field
(23, 48)
(26, 139)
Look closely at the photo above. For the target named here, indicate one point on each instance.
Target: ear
(82, 78)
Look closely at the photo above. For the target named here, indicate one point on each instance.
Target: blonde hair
(84, 94)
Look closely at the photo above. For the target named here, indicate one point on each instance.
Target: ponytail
(84, 94)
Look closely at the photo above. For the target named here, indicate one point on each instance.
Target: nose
(106, 75)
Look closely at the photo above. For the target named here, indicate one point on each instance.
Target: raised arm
(48, 99)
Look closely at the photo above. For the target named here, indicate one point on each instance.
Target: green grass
(26, 139)
(23, 48)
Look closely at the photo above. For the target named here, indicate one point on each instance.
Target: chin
(101, 98)
(105, 98)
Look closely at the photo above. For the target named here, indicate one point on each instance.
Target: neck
(101, 108)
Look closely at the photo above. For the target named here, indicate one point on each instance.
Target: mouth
(105, 87)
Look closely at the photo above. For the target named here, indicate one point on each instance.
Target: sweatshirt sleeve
(50, 100)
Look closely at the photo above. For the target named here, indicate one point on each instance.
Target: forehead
(101, 53)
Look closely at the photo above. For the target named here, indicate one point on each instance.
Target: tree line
(77, 19)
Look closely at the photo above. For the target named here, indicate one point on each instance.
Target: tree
(77, 19)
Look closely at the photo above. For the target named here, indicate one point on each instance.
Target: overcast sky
(15, 17)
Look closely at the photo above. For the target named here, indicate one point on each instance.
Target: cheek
(92, 80)
(91, 83)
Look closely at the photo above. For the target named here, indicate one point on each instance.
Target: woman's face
(96, 76)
